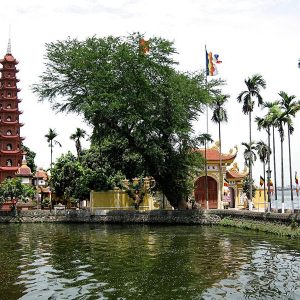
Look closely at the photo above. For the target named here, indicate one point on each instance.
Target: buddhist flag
(261, 181)
(211, 63)
(144, 46)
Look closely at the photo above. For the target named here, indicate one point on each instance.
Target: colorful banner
(211, 63)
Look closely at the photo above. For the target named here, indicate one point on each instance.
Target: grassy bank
(290, 230)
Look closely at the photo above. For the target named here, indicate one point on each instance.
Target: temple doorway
(200, 192)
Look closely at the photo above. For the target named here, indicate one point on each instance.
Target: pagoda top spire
(9, 42)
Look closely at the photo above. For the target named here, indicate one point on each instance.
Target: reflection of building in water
(231, 182)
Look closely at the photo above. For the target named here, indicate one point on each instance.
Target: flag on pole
(297, 184)
(225, 187)
(144, 46)
(271, 186)
(211, 63)
(261, 181)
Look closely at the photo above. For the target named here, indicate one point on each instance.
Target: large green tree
(254, 84)
(131, 97)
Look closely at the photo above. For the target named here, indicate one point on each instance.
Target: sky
(251, 36)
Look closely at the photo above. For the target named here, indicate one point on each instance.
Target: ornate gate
(200, 192)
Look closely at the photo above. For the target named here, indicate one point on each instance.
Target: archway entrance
(232, 197)
(200, 192)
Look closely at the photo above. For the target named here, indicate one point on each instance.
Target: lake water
(77, 261)
(287, 200)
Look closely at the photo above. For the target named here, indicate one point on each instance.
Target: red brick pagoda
(10, 140)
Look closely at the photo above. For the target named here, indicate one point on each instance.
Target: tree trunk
(220, 170)
(274, 160)
(51, 153)
(269, 173)
(264, 170)
(250, 164)
(282, 178)
(290, 165)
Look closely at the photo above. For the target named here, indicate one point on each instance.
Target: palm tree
(273, 114)
(203, 139)
(290, 107)
(266, 123)
(254, 85)
(51, 135)
(250, 158)
(281, 121)
(76, 136)
(264, 152)
(219, 116)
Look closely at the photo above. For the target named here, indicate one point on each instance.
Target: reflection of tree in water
(272, 272)
(161, 262)
(10, 258)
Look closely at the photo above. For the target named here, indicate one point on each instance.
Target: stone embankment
(209, 217)
(113, 216)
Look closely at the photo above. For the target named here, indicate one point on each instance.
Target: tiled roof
(214, 155)
(41, 174)
(234, 174)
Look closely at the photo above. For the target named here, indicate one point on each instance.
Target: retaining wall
(209, 217)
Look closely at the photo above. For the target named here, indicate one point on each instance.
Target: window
(8, 132)
(9, 147)
(8, 106)
(8, 118)
(9, 162)
(8, 95)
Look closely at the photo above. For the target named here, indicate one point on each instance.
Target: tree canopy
(136, 99)
(30, 156)
(13, 189)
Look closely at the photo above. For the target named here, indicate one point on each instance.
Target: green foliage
(138, 188)
(292, 231)
(30, 156)
(139, 101)
(246, 187)
(75, 179)
(13, 189)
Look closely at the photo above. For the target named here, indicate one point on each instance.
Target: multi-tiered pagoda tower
(10, 139)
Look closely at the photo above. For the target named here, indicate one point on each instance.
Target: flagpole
(206, 85)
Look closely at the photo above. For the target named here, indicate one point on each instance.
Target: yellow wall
(112, 200)
(259, 199)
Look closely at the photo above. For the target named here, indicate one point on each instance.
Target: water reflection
(60, 261)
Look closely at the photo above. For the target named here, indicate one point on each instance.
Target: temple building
(10, 139)
(229, 186)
